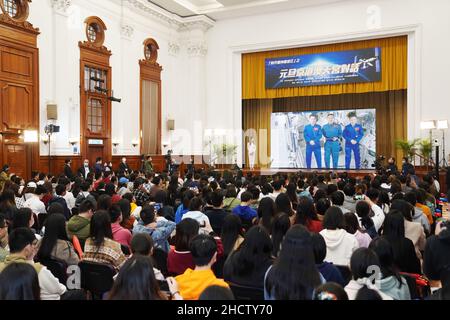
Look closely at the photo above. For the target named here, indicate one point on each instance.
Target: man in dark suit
(85, 169)
(67, 169)
(124, 169)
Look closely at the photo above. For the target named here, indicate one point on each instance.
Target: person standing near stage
(353, 133)
(251, 149)
(313, 135)
(332, 133)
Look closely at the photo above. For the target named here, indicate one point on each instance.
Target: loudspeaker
(171, 125)
(52, 112)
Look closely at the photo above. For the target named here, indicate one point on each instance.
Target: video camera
(51, 128)
(378, 164)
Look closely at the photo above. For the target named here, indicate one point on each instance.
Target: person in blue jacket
(353, 133)
(313, 135)
(332, 133)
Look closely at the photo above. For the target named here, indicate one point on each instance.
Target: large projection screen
(338, 139)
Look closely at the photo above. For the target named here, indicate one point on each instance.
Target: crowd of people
(303, 236)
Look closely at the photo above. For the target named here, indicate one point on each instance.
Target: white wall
(426, 22)
(202, 75)
(62, 27)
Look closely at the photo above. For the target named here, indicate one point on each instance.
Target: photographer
(392, 166)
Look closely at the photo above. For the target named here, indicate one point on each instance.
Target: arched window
(150, 99)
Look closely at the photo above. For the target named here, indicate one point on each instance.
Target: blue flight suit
(313, 133)
(332, 147)
(353, 133)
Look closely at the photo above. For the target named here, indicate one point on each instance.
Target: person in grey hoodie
(349, 200)
(391, 282)
(419, 215)
(160, 230)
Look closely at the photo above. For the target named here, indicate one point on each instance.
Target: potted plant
(408, 147)
(225, 153)
(426, 148)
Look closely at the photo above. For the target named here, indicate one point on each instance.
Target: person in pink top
(352, 227)
(120, 234)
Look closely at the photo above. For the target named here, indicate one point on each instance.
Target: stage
(273, 171)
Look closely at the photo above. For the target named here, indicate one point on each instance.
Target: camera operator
(392, 166)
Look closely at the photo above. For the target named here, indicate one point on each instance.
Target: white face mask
(86, 164)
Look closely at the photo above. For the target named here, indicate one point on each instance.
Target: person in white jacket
(366, 271)
(378, 214)
(340, 243)
(22, 245)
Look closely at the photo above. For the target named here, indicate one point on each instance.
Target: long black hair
(383, 248)
(185, 231)
(404, 207)
(361, 260)
(136, 281)
(283, 204)
(291, 191)
(231, 230)
(305, 211)
(266, 212)
(255, 250)
(100, 227)
(394, 225)
(55, 229)
(294, 275)
(19, 281)
(281, 224)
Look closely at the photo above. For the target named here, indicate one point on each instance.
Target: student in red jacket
(307, 215)
(179, 258)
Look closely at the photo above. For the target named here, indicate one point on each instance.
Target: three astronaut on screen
(331, 134)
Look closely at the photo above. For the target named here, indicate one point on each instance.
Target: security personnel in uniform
(313, 135)
(332, 132)
(353, 133)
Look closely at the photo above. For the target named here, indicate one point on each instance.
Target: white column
(68, 113)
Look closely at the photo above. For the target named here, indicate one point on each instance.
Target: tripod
(443, 163)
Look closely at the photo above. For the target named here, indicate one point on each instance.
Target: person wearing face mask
(407, 168)
(124, 169)
(85, 169)
(392, 166)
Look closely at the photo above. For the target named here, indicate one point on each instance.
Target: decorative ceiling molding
(126, 31)
(174, 48)
(61, 6)
(191, 23)
(197, 49)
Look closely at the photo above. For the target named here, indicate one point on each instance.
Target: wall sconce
(135, 143)
(115, 143)
(30, 136)
(44, 139)
(73, 141)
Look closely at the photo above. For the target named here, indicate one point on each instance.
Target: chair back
(125, 250)
(96, 278)
(57, 267)
(41, 220)
(345, 272)
(160, 260)
(246, 293)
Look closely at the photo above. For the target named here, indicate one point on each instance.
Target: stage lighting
(442, 124)
(427, 125)
(113, 99)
